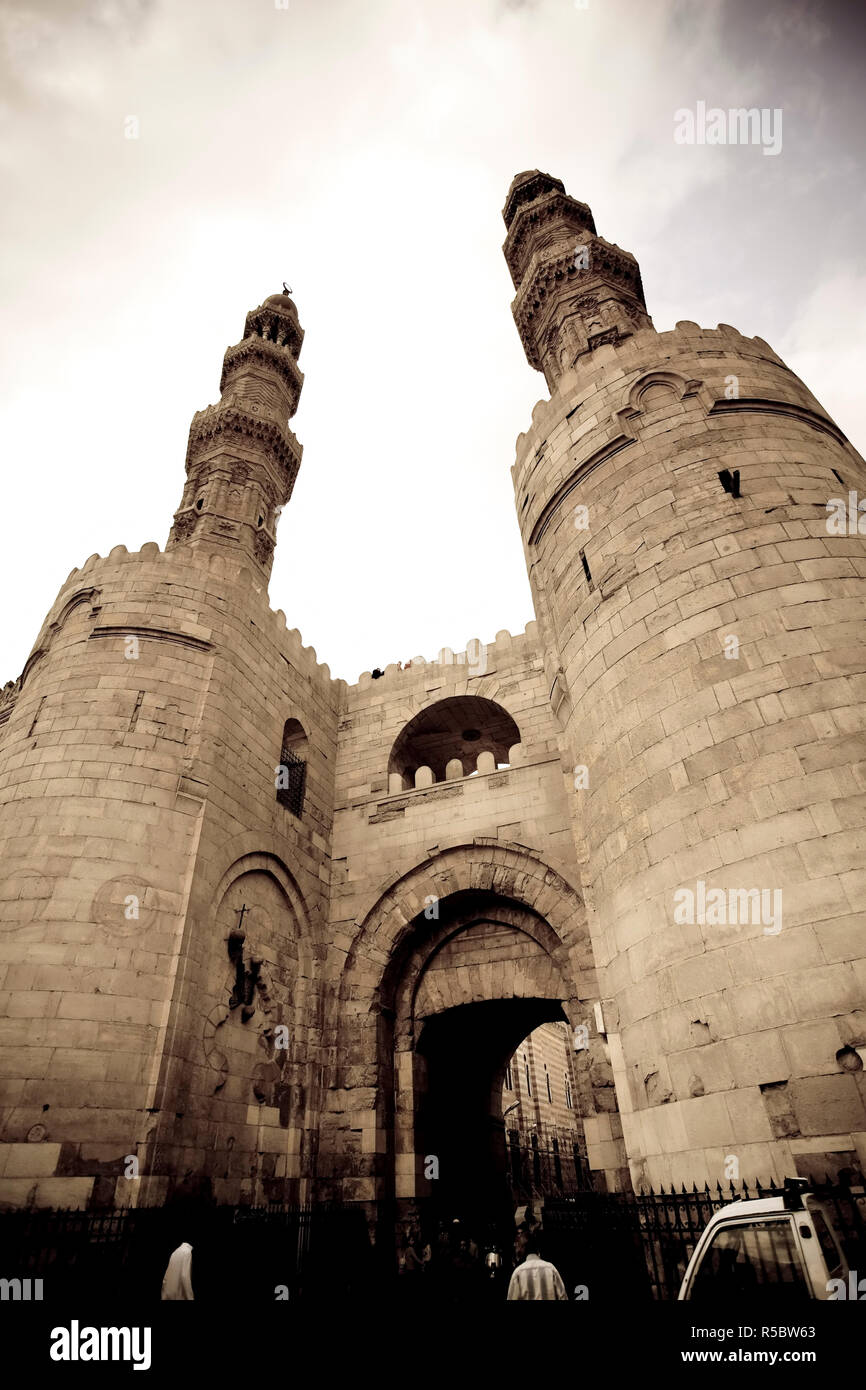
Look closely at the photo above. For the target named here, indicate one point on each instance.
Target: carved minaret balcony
(242, 458)
(575, 290)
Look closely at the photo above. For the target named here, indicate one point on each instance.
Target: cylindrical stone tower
(136, 749)
(702, 607)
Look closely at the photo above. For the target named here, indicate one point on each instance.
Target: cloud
(828, 329)
(364, 152)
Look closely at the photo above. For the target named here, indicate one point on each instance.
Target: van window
(752, 1259)
(826, 1241)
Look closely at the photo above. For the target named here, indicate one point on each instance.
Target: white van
(784, 1249)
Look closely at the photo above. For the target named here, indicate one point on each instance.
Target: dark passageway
(459, 1117)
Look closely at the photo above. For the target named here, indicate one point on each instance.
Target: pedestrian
(412, 1268)
(177, 1282)
(534, 1279)
(413, 1258)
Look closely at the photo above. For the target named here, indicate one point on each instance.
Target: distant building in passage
(540, 1089)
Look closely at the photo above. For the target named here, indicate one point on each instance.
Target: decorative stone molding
(254, 351)
(263, 546)
(184, 525)
(220, 424)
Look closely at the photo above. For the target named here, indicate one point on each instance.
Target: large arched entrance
(477, 980)
(470, 952)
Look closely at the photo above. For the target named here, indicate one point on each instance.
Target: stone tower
(704, 636)
(152, 939)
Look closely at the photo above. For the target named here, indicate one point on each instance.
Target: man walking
(535, 1278)
(177, 1283)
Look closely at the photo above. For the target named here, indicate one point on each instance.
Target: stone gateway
(276, 937)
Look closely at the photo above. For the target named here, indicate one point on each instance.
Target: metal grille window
(291, 772)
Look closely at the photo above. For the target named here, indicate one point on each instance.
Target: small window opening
(586, 569)
(199, 504)
(292, 770)
(261, 519)
(730, 481)
(838, 476)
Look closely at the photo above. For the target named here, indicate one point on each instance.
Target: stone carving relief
(263, 547)
(255, 993)
(184, 525)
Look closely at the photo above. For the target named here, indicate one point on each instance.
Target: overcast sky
(362, 150)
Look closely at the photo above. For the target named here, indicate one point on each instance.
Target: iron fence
(245, 1253)
(640, 1244)
(618, 1246)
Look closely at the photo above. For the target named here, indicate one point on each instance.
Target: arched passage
(471, 985)
(453, 966)
(458, 1117)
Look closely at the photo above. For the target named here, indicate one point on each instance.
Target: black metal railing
(643, 1242)
(618, 1246)
(243, 1253)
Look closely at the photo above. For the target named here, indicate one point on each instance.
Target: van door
(759, 1260)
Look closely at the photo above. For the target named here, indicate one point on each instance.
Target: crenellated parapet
(158, 568)
(478, 659)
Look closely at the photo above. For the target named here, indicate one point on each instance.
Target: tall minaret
(575, 291)
(242, 459)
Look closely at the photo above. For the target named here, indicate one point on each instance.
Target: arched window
(291, 772)
(448, 738)
(568, 1092)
